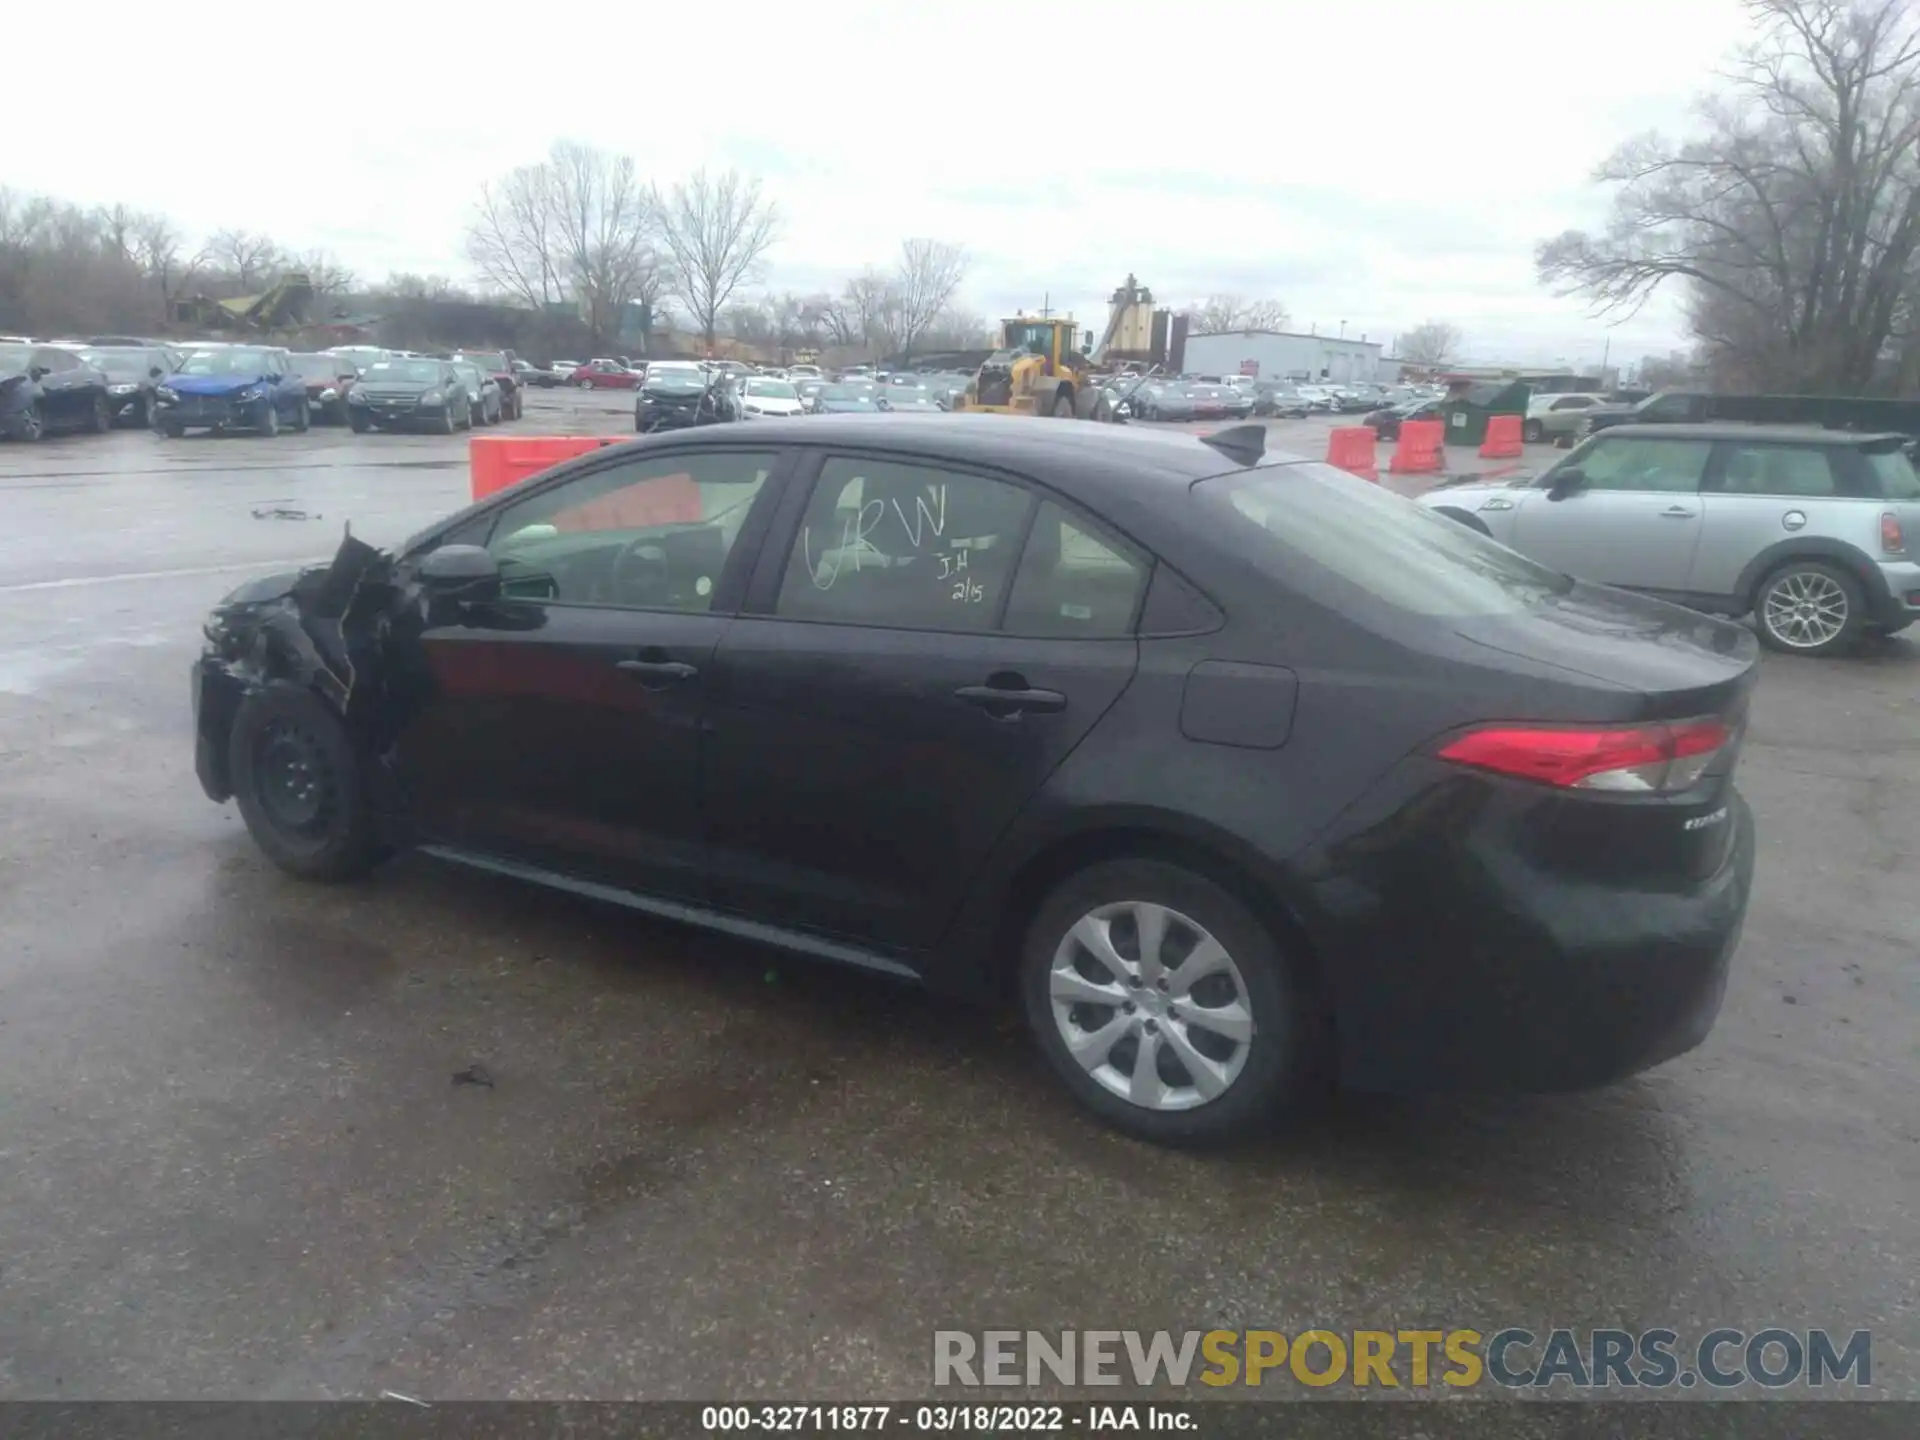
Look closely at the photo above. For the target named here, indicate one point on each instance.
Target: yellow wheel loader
(1038, 370)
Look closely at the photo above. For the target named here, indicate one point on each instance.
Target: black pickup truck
(1697, 407)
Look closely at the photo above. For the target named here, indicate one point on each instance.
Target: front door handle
(657, 674)
(1676, 512)
(993, 697)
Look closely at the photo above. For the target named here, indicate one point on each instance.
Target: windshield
(676, 380)
(849, 394)
(225, 362)
(132, 364)
(1412, 558)
(1894, 471)
(320, 367)
(775, 389)
(403, 372)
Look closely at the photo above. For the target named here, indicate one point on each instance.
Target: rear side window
(1413, 559)
(1799, 471)
(1072, 582)
(1893, 473)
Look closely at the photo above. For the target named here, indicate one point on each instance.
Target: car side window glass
(902, 544)
(1802, 472)
(1645, 464)
(1573, 402)
(650, 533)
(1072, 582)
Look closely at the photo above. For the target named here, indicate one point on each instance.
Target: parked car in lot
(1278, 398)
(48, 388)
(762, 396)
(133, 374)
(906, 394)
(1557, 417)
(503, 369)
(678, 395)
(1386, 422)
(605, 375)
(563, 370)
(1214, 859)
(408, 394)
(328, 378)
(847, 398)
(482, 390)
(1214, 402)
(808, 389)
(1815, 532)
(361, 356)
(234, 387)
(1164, 400)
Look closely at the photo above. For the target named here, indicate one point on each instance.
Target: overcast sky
(1378, 163)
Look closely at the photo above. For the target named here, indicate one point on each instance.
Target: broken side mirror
(37, 373)
(467, 573)
(1566, 482)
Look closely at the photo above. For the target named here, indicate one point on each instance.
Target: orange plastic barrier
(1503, 438)
(1418, 452)
(1350, 448)
(497, 461)
(656, 500)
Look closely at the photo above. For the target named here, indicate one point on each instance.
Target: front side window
(902, 544)
(1643, 464)
(649, 533)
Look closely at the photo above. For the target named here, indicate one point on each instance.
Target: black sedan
(906, 394)
(45, 388)
(679, 395)
(1386, 421)
(1236, 771)
(846, 398)
(133, 374)
(405, 393)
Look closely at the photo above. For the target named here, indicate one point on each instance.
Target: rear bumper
(1470, 969)
(1896, 604)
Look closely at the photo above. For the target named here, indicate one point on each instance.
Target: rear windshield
(1408, 557)
(1894, 472)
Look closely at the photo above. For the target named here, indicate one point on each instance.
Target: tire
(1533, 432)
(270, 419)
(172, 429)
(361, 425)
(298, 784)
(305, 421)
(1810, 607)
(34, 427)
(1278, 1061)
(1153, 413)
(101, 421)
(1063, 405)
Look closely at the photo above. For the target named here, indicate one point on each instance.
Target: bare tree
(324, 272)
(1224, 314)
(1431, 345)
(404, 285)
(717, 230)
(1665, 372)
(514, 238)
(858, 318)
(604, 219)
(1793, 218)
(929, 273)
(249, 258)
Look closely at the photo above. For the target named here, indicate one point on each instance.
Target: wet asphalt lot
(233, 1161)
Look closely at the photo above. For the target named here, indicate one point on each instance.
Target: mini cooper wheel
(1810, 607)
(298, 785)
(1166, 1006)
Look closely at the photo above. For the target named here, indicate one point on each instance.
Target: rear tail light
(1649, 759)
(1891, 539)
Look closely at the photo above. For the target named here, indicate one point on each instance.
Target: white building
(1280, 355)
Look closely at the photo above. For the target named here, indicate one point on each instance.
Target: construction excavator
(1038, 370)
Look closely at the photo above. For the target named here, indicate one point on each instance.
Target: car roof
(1764, 434)
(1082, 459)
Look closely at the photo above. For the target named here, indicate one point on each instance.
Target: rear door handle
(992, 697)
(657, 674)
(1677, 512)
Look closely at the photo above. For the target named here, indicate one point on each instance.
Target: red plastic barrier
(497, 461)
(1418, 452)
(656, 500)
(1350, 448)
(1503, 438)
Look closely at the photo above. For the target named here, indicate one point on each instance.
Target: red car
(606, 375)
(499, 364)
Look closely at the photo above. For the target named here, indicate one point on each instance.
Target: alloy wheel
(1804, 610)
(1151, 1006)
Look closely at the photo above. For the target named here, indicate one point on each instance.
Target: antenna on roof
(1243, 443)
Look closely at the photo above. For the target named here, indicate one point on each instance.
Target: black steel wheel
(297, 781)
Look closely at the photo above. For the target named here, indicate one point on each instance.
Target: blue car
(232, 387)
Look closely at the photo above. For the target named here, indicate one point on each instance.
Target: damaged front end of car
(323, 629)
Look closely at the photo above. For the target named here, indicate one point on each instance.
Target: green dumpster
(1466, 413)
